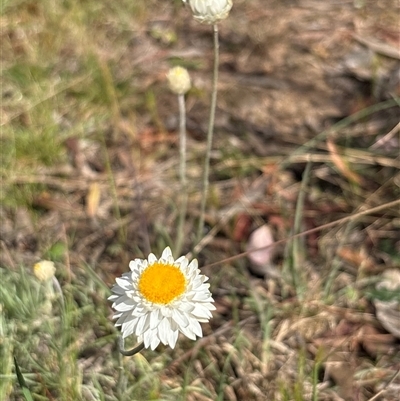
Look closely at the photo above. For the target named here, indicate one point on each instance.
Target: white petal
(193, 265)
(117, 315)
(200, 310)
(124, 305)
(196, 282)
(188, 332)
(195, 327)
(152, 258)
(154, 318)
(128, 328)
(201, 296)
(147, 338)
(118, 290)
(174, 326)
(154, 341)
(139, 310)
(166, 311)
(136, 298)
(180, 318)
(182, 262)
(125, 316)
(142, 325)
(202, 320)
(186, 306)
(166, 254)
(123, 283)
(204, 287)
(172, 338)
(135, 264)
(210, 305)
(163, 329)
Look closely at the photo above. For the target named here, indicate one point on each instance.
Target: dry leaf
(376, 343)
(47, 201)
(93, 199)
(242, 226)
(340, 368)
(355, 257)
(341, 165)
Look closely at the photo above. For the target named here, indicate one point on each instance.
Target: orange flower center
(161, 283)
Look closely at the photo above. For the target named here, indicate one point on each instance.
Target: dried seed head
(44, 270)
(179, 80)
(209, 11)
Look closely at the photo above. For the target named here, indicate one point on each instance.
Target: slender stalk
(295, 243)
(182, 173)
(209, 135)
(131, 352)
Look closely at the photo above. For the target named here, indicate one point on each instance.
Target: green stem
(296, 245)
(209, 135)
(182, 173)
(130, 352)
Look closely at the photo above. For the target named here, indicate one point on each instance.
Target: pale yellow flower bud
(44, 270)
(209, 11)
(179, 80)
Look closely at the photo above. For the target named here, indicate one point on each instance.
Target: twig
(387, 137)
(201, 342)
(312, 230)
(384, 389)
(378, 46)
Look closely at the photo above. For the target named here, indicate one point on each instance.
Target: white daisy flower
(209, 11)
(159, 298)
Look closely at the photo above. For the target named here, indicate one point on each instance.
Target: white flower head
(159, 298)
(209, 11)
(44, 270)
(178, 80)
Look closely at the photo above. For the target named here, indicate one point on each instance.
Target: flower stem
(182, 173)
(209, 135)
(130, 352)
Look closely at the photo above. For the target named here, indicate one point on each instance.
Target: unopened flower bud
(44, 270)
(209, 11)
(179, 80)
